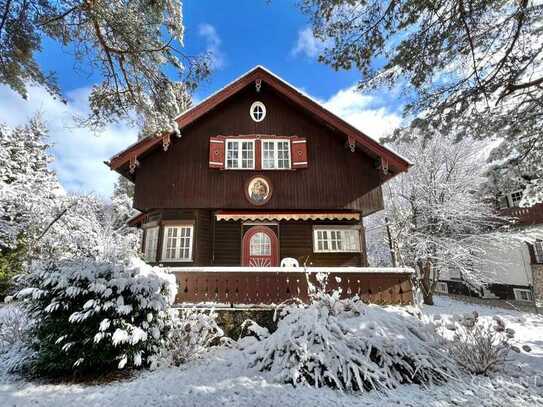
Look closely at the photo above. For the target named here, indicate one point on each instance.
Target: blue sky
(240, 34)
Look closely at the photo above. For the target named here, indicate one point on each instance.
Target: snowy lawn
(222, 378)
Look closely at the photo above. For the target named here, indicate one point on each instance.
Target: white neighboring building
(515, 271)
(508, 269)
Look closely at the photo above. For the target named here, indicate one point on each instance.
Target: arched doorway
(260, 247)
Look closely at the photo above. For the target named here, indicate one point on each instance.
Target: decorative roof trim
(369, 145)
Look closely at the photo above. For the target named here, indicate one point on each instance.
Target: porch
(257, 287)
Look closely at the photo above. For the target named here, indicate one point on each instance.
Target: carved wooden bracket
(166, 140)
(351, 143)
(382, 165)
(134, 163)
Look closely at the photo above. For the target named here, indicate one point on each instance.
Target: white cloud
(213, 44)
(79, 153)
(367, 113)
(308, 45)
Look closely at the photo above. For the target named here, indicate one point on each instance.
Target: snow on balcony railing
(219, 269)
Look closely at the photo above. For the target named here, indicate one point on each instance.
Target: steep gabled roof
(396, 163)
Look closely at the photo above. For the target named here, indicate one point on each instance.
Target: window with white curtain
(177, 244)
(336, 240)
(275, 154)
(240, 154)
(151, 244)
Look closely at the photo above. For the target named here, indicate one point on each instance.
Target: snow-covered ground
(222, 378)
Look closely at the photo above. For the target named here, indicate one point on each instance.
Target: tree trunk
(426, 281)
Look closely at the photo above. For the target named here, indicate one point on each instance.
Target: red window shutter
(299, 152)
(216, 152)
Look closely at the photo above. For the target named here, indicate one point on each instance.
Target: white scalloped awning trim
(257, 216)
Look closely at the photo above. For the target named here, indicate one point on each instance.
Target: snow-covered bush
(191, 333)
(479, 347)
(94, 315)
(349, 345)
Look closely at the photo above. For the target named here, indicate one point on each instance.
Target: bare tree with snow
(437, 216)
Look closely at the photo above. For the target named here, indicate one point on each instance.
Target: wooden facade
(335, 177)
(204, 206)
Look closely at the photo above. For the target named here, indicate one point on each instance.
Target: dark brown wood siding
(180, 178)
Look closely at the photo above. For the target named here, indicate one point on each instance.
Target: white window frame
(275, 143)
(332, 232)
(251, 111)
(178, 248)
(520, 291)
(503, 202)
(150, 248)
(538, 251)
(512, 203)
(442, 287)
(240, 153)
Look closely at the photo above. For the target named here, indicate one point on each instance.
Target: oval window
(258, 111)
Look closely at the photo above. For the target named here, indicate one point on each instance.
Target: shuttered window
(177, 245)
(240, 154)
(275, 154)
(336, 240)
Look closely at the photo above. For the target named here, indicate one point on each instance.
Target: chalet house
(520, 274)
(260, 176)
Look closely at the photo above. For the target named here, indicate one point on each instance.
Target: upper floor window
(240, 154)
(258, 111)
(516, 197)
(177, 245)
(275, 154)
(151, 244)
(336, 239)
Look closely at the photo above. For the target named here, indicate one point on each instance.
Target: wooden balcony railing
(234, 286)
(526, 216)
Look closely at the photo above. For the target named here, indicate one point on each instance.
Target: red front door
(260, 247)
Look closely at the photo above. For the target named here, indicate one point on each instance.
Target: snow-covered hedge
(94, 315)
(352, 346)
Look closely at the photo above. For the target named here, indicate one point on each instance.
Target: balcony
(249, 287)
(525, 216)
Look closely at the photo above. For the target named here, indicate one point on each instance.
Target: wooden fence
(273, 287)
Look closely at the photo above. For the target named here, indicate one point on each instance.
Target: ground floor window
(177, 244)
(336, 239)
(522, 294)
(538, 251)
(442, 287)
(151, 244)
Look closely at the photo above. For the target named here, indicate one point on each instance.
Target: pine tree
(131, 44)
(29, 190)
(472, 68)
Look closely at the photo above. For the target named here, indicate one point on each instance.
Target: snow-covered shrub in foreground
(190, 335)
(479, 347)
(95, 315)
(15, 339)
(349, 345)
